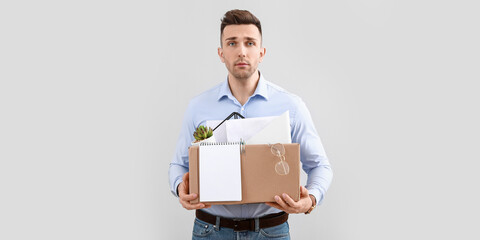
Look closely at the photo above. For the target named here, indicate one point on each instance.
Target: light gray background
(92, 94)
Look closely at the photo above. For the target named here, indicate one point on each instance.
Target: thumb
(303, 191)
(185, 179)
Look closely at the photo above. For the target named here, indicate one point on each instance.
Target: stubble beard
(243, 74)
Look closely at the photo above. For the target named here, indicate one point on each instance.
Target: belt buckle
(237, 226)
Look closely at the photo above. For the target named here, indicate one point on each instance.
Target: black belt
(267, 221)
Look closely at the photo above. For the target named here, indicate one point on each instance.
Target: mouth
(241, 64)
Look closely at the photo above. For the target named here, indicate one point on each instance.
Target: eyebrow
(235, 38)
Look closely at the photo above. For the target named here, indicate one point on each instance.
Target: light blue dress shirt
(267, 100)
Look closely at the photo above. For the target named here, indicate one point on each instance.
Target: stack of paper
(261, 130)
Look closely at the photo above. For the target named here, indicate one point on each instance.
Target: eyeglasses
(281, 167)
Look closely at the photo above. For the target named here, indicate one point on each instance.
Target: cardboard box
(260, 181)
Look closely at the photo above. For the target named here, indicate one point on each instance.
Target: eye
(231, 44)
(251, 43)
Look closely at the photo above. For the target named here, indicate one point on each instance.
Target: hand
(288, 205)
(185, 197)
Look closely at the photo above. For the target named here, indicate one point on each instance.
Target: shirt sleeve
(312, 154)
(179, 163)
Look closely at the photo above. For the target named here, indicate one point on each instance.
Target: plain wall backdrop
(92, 94)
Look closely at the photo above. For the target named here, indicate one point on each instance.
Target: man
(246, 91)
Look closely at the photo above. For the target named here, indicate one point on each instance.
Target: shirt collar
(261, 89)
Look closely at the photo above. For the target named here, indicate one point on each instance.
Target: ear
(220, 54)
(263, 51)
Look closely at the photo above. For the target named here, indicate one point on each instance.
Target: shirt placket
(242, 111)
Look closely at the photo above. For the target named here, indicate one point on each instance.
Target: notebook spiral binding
(241, 143)
(222, 143)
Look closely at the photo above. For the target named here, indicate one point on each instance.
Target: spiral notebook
(220, 172)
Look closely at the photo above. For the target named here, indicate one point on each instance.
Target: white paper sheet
(220, 173)
(246, 128)
(277, 131)
(262, 130)
(219, 133)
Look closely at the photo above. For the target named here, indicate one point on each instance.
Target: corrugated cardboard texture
(260, 182)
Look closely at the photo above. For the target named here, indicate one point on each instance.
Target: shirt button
(243, 109)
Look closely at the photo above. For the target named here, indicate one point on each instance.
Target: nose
(242, 51)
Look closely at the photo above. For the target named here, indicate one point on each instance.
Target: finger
(193, 206)
(289, 200)
(280, 202)
(275, 205)
(189, 197)
(189, 206)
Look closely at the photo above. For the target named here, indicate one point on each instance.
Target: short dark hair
(237, 17)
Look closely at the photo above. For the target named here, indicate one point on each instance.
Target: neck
(243, 88)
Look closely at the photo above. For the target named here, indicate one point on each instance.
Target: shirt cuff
(317, 194)
(175, 190)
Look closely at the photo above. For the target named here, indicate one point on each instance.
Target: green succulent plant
(202, 133)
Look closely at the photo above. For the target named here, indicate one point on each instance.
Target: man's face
(241, 50)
